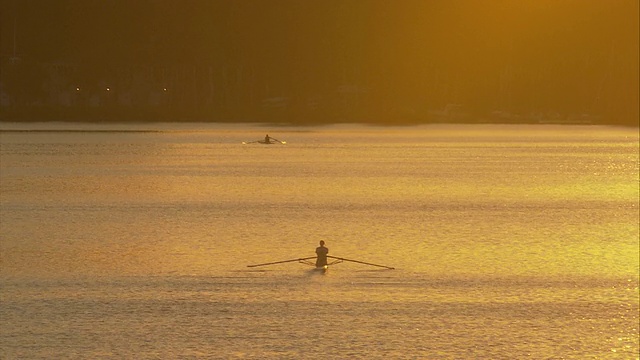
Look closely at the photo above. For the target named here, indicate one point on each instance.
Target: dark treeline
(308, 61)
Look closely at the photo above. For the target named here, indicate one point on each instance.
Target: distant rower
(321, 252)
(267, 139)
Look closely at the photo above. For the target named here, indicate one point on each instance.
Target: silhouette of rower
(267, 139)
(321, 252)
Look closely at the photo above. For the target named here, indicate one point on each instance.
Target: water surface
(132, 242)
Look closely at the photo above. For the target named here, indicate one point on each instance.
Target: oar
(361, 262)
(281, 142)
(283, 261)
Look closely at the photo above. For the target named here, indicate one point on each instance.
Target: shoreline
(306, 124)
(141, 115)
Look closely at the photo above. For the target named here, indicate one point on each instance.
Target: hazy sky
(519, 55)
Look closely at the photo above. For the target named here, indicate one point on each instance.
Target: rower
(321, 252)
(267, 139)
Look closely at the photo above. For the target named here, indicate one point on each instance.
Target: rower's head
(321, 242)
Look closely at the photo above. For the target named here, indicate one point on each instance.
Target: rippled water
(132, 242)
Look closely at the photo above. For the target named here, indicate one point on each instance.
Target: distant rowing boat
(324, 268)
(267, 141)
(264, 142)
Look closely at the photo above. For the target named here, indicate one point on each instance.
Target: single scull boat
(268, 140)
(324, 268)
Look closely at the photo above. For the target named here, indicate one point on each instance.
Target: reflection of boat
(324, 268)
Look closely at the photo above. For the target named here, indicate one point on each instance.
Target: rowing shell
(325, 268)
(265, 142)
